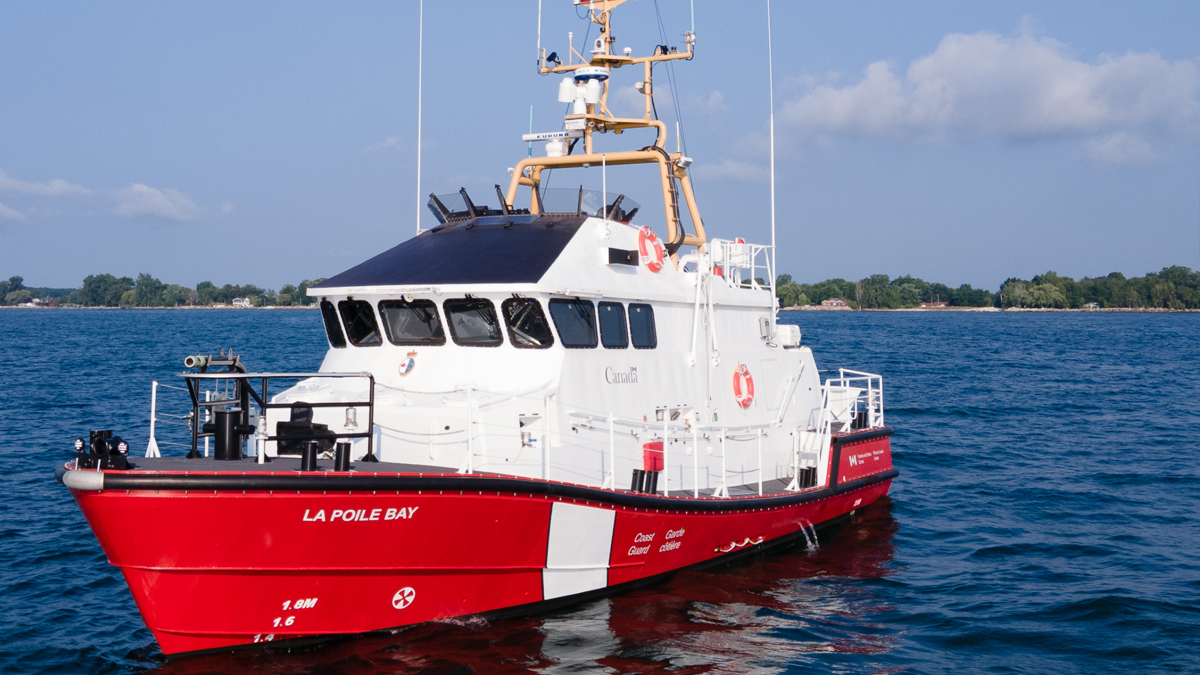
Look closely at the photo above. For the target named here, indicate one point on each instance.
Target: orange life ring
(650, 250)
(743, 386)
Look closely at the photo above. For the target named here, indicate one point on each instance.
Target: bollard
(228, 445)
(341, 457)
(651, 485)
(308, 456)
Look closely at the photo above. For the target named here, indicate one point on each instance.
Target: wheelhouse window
(641, 326)
(333, 327)
(527, 324)
(473, 322)
(576, 322)
(411, 323)
(360, 323)
(613, 334)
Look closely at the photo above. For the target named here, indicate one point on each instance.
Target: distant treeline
(106, 290)
(1172, 288)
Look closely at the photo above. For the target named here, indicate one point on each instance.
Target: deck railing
(233, 389)
(852, 400)
(742, 265)
(864, 394)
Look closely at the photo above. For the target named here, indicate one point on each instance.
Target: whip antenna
(771, 99)
(420, 55)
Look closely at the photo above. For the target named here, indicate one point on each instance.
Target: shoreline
(181, 307)
(933, 310)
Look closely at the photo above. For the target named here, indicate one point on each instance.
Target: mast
(586, 88)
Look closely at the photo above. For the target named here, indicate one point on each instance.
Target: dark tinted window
(527, 325)
(641, 326)
(333, 327)
(473, 322)
(412, 323)
(612, 326)
(360, 323)
(575, 321)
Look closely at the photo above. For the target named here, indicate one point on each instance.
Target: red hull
(223, 567)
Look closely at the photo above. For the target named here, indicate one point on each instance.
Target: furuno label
(360, 515)
(621, 376)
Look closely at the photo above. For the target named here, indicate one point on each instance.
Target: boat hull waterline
(227, 559)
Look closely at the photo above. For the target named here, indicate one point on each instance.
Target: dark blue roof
(490, 250)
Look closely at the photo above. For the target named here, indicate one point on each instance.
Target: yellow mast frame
(599, 119)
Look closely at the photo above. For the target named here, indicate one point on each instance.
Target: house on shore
(243, 302)
(834, 303)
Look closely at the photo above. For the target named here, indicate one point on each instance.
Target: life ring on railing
(743, 386)
(651, 250)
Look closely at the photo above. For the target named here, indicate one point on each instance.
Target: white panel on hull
(578, 551)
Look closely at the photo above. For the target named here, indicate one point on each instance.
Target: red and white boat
(519, 408)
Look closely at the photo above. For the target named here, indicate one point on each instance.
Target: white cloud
(389, 143)
(714, 101)
(1018, 87)
(54, 188)
(629, 102)
(10, 214)
(142, 200)
(731, 169)
(1120, 148)
(226, 208)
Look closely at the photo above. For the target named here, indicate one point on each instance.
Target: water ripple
(1045, 520)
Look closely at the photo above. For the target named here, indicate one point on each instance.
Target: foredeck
(276, 465)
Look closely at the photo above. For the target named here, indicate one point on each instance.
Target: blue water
(1045, 521)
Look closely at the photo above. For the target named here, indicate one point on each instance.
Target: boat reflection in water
(784, 609)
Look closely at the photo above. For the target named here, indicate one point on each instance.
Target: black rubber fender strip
(467, 483)
(862, 436)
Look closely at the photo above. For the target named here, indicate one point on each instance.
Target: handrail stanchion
(370, 416)
(152, 445)
(546, 438)
(723, 490)
(760, 467)
(796, 447)
(207, 417)
(470, 429)
(666, 442)
(696, 458)
(611, 483)
(880, 403)
(260, 439)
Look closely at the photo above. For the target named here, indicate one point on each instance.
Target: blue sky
(959, 142)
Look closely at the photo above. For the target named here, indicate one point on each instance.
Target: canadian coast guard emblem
(743, 386)
(407, 365)
(650, 250)
(404, 597)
